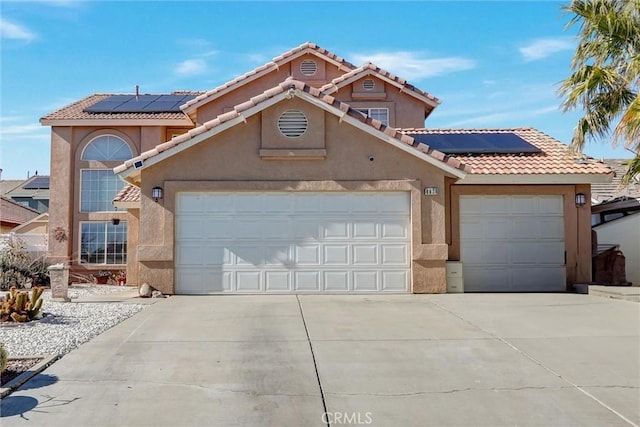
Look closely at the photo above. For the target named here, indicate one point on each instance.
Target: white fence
(34, 242)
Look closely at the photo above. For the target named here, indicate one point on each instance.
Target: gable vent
(368, 84)
(308, 67)
(292, 123)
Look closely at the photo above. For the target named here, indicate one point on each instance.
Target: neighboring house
(7, 185)
(309, 174)
(33, 193)
(612, 200)
(13, 214)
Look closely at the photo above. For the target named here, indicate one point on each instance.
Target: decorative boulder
(145, 290)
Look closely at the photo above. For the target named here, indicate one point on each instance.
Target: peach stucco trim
(339, 108)
(273, 65)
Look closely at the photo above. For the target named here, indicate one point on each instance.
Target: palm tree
(606, 74)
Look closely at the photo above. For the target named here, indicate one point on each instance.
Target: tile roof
(366, 69)
(129, 194)
(75, 111)
(14, 213)
(316, 93)
(613, 190)
(7, 185)
(268, 67)
(555, 157)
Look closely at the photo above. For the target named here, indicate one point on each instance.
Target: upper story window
(98, 187)
(106, 148)
(380, 114)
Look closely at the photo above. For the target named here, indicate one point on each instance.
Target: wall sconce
(581, 200)
(156, 193)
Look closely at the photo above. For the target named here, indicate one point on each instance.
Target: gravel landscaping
(64, 326)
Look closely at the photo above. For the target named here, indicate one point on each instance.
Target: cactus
(19, 306)
(3, 358)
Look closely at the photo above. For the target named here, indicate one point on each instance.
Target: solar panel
(476, 143)
(41, 182)
(140, 104)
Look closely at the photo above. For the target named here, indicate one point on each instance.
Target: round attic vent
(308, 67)
(292, 123)
(368, 84)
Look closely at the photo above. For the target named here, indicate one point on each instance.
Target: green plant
(18, 267)
(19, 306)
(3, 358)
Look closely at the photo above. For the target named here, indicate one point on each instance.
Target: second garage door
(292, 242)
(512, 243)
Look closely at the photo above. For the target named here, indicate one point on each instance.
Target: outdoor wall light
(581, 200)
(156, 193)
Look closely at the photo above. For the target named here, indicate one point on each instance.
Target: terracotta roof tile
(285, 86)
(555, 157)
(366, 69)
(130, 193)
(269, 66)
(75, 111)
(14, 213)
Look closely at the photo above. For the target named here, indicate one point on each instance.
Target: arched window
(107, 147)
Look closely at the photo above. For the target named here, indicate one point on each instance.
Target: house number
(431, 191)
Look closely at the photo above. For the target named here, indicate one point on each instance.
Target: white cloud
(544, 47)
(191, 67)
(501, 118)
(414, 65)
(11, 30)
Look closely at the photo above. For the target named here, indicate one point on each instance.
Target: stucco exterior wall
(231, 162)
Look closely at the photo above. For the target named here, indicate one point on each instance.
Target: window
(103, 243)
(292, 123)
(381, 114)
(98, 187)
(107, 147)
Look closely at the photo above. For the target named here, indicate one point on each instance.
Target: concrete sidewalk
(405, 360)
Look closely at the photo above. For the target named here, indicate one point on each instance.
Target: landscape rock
(145, 290)
(157, 294)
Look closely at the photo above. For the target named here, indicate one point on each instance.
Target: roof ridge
(269, 66)
(282, 87)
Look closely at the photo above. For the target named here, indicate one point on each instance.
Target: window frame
(105, 264)
(82, 184)
(88, 144)
(367, 111)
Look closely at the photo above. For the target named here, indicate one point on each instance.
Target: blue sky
(493, 64)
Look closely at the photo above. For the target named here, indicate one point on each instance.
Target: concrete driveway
(405, 360)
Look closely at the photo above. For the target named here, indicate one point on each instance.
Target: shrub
(18, 267)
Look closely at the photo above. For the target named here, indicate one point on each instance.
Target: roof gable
(273, 65)
(283, 91)
(369, 69)
(14, 213)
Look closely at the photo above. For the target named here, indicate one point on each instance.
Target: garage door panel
(307, 280)
(394, 280)
(248, 281)
(512, 243)
(365, 230)
(336, 281)
(365, 281)
(336, 254)
(293, 242)
(277, 281)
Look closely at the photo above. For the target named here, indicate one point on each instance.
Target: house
(13, 214)
(33, 193)
(310, 174)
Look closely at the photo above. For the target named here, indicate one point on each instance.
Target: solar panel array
(39, 183)
(140, 104)
(477, 143)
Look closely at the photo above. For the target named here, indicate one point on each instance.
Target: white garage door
(292, 242)
(512, 243)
